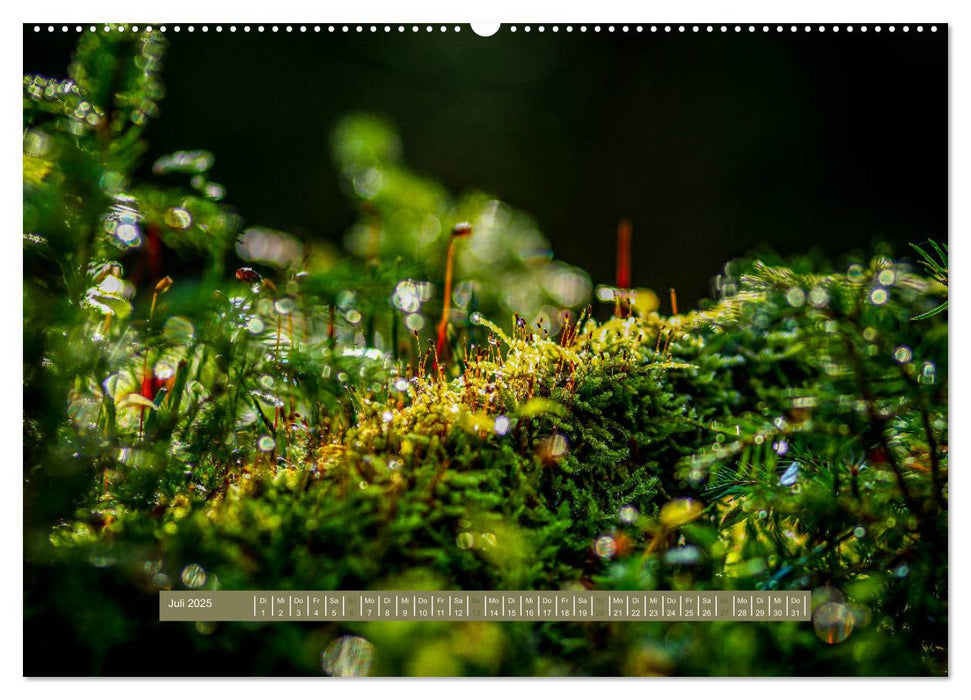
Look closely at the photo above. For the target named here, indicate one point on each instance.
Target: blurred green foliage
(290, 426)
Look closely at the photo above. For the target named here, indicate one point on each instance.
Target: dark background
(712, 144)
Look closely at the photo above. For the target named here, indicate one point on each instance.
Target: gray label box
(583, 606)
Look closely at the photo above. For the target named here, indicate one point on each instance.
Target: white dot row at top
(513, 28)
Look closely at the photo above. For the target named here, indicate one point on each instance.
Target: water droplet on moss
(194, 576)
(286, 305)
(462, 294)
(128, 235)
(790, 475)
(818, 297)
(164, 371)
(833, 622)
(796, 297)
(628, 514)
(178, 218)
(266, 443)
(686, 555)
(605, 547)
(405, 296)
(414, 322)
(553, 447)
(348, 656)
(269, 399)
(178, 330)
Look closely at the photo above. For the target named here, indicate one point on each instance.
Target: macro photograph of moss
(405, 308)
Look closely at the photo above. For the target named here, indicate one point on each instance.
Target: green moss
(285, 428)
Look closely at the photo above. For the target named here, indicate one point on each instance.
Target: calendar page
(513, 349)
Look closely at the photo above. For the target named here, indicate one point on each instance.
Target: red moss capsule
(248, 274)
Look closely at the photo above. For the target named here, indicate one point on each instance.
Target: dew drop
(796, 297)
(688, 554)
(215, 191)
(194, 576)
(178, 330)
(348, 656)
(833, 622)
(128, 235)
(164, 371)
(414, 322)
(266, 443)
(463, 294)
(554, 446)
(818, 297)
(285, 305)
(268, 399)
(628, 514)
(605, 547)
(886, 277)
(790, 475)
(178, 218)
(406, 297)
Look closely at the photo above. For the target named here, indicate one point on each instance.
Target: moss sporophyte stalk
(441, 408)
